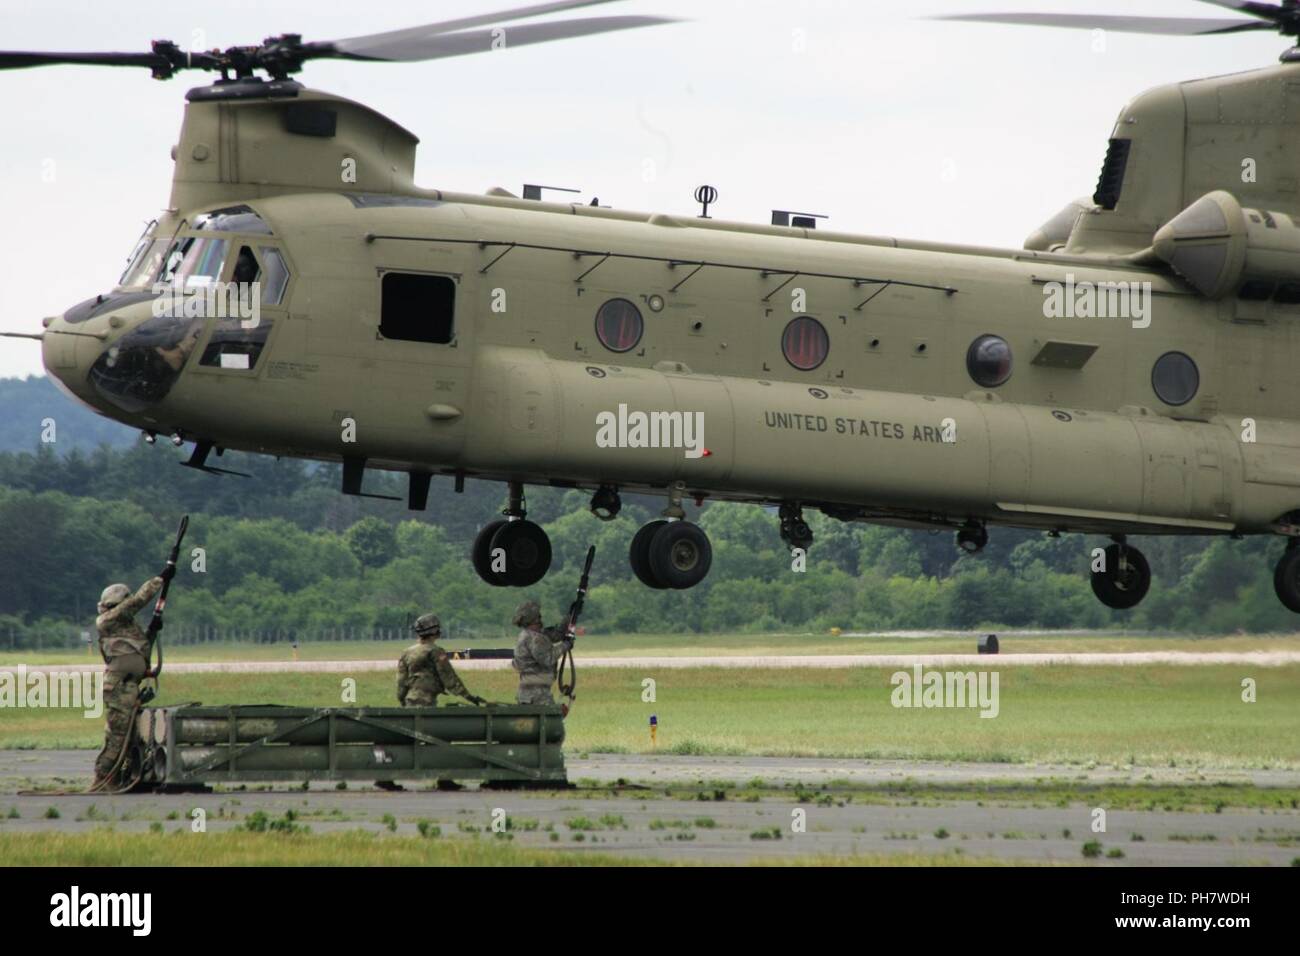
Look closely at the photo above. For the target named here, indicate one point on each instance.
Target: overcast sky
(866, 111)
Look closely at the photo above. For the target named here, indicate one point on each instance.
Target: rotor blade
(483, 19)
(436, 46)
(15, 60)
(1173, 26)
(1269, 11)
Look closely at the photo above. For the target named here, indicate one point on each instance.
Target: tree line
(284, 555)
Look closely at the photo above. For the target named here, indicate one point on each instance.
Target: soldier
(423, 673)
(125, 649)
(536, 653)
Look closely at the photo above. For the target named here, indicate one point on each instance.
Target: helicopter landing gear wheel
(639, 554)
(605, 503)
(527, 552)
(680, 555)
(481, 553)
(1286, 578)
(1125, 578)
(794, 529)
(973, 538)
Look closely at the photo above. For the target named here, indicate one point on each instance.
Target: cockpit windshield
(145, 259)
(194, 261)
(144, 263)
(190, 261)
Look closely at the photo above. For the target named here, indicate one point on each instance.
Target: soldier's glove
(168, 572)
(476, 701)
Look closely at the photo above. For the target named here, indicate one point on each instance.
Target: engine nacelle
(1219, 247)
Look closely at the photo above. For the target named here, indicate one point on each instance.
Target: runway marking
(809, 661)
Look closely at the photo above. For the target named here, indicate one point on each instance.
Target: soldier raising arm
(119, 635)
(125, 649)
(536, 652)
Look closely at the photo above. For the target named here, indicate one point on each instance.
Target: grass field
(1147, 716)
(109, 848)
(688, 645)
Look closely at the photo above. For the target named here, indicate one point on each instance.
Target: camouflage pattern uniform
(125, 649)
(537, 652)
(425, 671)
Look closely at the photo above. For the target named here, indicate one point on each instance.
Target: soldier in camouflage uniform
(536, 653)
(125, 649)
(423, 672)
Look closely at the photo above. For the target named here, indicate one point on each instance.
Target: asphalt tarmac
(712, 809)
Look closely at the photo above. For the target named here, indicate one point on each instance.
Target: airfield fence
(199, 635)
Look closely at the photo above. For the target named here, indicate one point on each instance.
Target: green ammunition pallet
(193, 745)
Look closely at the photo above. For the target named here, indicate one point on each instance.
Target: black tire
(528, 552)
(1286, 579)
(481, 553)
(801, 535)
(638, 554)
(974, 540)
(680, 554)
(1122, 588)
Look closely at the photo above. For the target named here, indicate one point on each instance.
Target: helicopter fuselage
(535, 342)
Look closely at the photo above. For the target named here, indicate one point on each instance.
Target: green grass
(691, 645)
(112, 848)
(1148, 716)
(1169, 798)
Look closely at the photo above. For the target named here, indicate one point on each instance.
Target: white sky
(887, 122)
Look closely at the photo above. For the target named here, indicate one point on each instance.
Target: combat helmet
(427, 624)
(113, 595)
(530, 612)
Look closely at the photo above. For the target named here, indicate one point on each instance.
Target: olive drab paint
(876, 416)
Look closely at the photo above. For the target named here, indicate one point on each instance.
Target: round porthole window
(1175, 378)
(619, 325)
(988, 360)
(805, 343)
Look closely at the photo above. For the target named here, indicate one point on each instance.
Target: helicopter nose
(68, 352)
(126, 358)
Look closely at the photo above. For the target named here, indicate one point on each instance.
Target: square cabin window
(417, 308)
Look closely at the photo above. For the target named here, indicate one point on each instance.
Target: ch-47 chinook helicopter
(911, 383)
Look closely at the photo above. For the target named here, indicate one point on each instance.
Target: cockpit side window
(237, 344)
(264, 272)
(276, 278)
(237, 340)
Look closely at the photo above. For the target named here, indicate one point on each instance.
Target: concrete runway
(677, 816)
(1085, 659)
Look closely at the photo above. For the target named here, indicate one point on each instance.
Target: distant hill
(26, 402)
